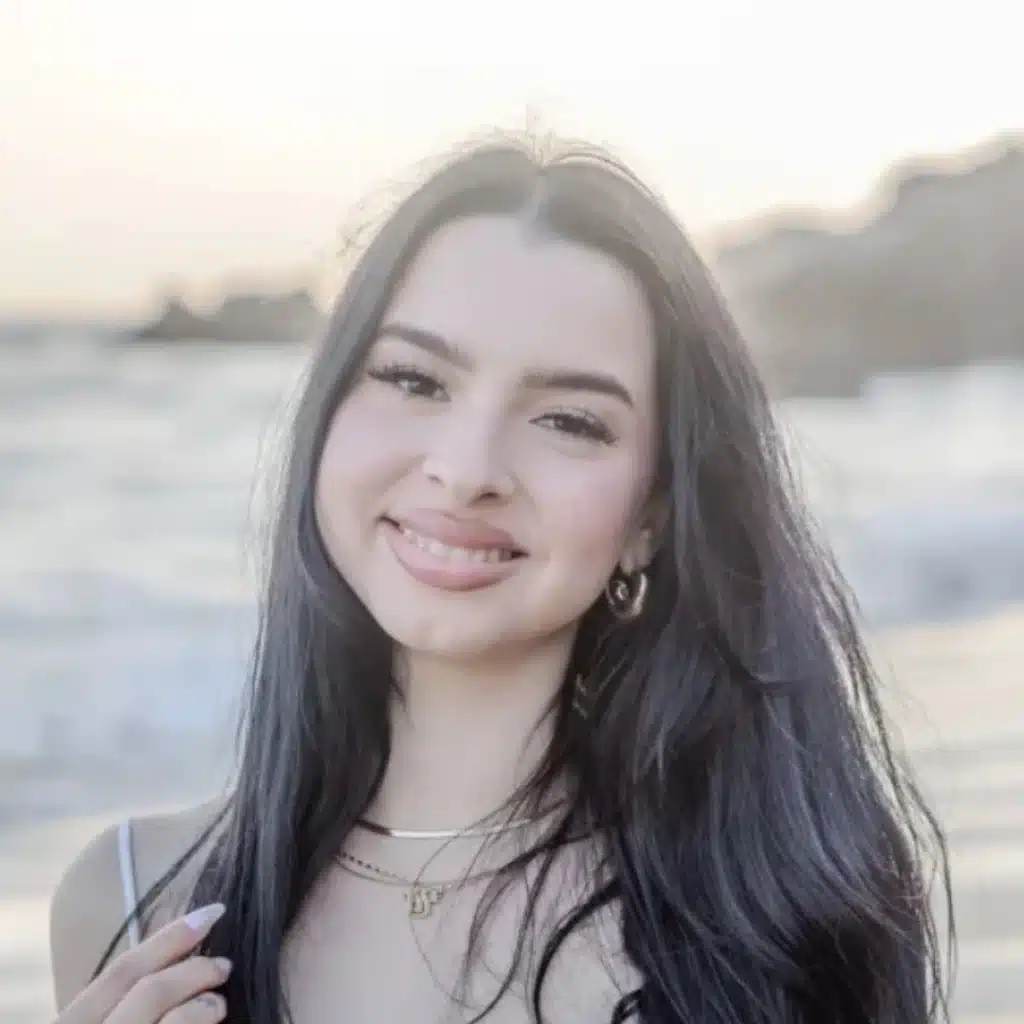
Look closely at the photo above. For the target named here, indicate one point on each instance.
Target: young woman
(559, 710)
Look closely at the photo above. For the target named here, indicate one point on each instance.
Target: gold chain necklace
(423, 897)
(454, 833)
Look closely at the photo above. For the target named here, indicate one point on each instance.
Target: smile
(446, 566)
(454, 554)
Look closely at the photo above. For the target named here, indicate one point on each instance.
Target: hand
(160, 981)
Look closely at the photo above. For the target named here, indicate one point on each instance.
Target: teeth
(453, 554)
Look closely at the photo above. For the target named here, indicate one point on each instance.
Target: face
(491, 466)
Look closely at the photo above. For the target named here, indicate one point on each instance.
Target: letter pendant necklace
(422, 897)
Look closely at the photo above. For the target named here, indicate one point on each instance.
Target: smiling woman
(559, 709)
(496, 413)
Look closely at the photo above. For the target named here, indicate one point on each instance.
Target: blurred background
(175, 184)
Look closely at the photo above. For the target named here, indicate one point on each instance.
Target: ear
(643, 545)
(659, 514)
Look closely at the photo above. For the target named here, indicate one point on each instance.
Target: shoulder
(159, 841)
(87, 909)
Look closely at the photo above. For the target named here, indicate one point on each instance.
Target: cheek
(589, 508)
(355, 468)
(362, 451)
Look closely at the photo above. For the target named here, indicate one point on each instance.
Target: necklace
(453, 833)
(423, 897)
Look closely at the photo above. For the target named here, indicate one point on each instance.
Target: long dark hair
(767, 854)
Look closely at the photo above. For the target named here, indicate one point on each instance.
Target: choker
(451, 833)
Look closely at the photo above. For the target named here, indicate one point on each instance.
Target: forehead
(504, 293)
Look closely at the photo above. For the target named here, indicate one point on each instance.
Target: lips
(457, 532)
(450, 554)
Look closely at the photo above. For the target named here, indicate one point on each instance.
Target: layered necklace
(423, 897)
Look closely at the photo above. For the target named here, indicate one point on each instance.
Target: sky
(201, 143)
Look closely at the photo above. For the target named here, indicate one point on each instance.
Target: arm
(85, 914)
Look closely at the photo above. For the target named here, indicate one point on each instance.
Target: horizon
(220, 145)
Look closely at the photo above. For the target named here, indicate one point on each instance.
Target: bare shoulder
(159, 841)
(87, 909)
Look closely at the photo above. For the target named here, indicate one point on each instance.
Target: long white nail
(201, 919)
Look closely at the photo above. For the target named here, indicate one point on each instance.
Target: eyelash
(575, 424)
(582, 425)
(399, 374)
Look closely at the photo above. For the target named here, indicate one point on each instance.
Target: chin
(447, 636)
(506, 620)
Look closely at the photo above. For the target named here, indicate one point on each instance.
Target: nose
(466, 459)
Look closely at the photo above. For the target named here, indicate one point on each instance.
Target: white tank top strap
(126, 858)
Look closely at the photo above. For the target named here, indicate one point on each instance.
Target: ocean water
(132, 481)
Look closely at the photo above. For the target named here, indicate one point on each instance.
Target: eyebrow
(546, 380)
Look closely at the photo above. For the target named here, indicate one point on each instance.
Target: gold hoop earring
(626, 595)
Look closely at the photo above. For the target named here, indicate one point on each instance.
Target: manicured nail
(223, 964)
(201, 919)
(214, 1001)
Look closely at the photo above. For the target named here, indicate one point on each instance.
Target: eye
(414, 382)
(582, 425)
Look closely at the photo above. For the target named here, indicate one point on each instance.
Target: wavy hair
(764, 848)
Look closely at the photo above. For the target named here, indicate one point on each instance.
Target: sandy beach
(960, 705)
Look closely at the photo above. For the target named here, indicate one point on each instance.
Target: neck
(469, 734)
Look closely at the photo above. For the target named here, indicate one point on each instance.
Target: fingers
(176, 992)
(204, 1009)
(168, 946)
